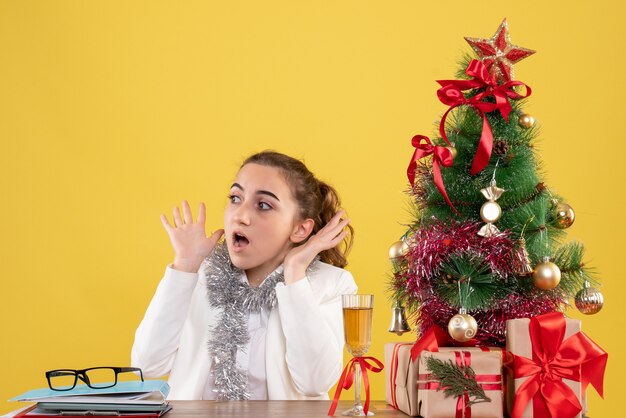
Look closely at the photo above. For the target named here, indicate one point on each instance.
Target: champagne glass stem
(357, 386)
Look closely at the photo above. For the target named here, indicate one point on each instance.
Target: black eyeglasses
(94, 377)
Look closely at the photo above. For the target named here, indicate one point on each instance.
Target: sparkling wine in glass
(357, 324)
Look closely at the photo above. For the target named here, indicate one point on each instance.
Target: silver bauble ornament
(589, 300)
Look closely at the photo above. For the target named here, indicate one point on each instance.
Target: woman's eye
(234, 199)
(264, 206)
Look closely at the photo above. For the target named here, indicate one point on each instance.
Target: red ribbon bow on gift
(441, 156)
(451, 94)
(577, 358)
(347, 378)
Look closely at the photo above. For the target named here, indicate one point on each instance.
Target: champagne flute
(357, 324)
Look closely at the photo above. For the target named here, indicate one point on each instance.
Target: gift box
(433, 402)
(551, 362)
(401, 388)
(401, 378)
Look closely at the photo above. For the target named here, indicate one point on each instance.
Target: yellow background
(112, 112)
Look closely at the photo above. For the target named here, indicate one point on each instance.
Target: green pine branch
(398, 292)
(574, 272)
(456, 380)
(463, 62)
(470, 274)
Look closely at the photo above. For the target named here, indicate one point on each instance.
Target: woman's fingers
(334, 221)
(177, 219)
(338, 239)
(166, 223)
(331, 242)
(187, 212)
(216, 236)
(330, 236)
(187, 216)
(337, 218)
(201, 213)
(333, 231)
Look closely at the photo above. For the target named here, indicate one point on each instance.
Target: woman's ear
(302, 230)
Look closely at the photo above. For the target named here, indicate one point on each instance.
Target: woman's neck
(256, 275)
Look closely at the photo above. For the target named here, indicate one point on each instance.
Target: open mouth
(240, 241)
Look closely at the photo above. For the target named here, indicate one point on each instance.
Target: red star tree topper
(498, 53)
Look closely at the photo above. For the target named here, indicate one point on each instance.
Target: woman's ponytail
(331, 204)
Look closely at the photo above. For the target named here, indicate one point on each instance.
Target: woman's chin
(236, 260)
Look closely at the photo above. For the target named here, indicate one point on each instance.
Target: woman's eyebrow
(268, 193)
(264, 192)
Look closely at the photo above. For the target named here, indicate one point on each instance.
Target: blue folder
(123, 391)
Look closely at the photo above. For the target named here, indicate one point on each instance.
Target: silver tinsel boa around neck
(235, 298)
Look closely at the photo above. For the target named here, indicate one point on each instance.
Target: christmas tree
(488, 239)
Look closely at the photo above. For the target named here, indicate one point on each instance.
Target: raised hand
(189, 240)
(298, 258)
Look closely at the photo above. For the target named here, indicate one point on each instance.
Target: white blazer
(304, 340)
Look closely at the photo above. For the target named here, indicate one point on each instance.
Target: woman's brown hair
(316, 199)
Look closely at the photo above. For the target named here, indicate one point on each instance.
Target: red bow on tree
(451, 94)
(577, 358)
(441, 156)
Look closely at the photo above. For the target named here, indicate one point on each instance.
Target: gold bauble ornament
(490, 212)
(462, 326)
(589, 300)
(526, 121)
(546, 275)
(564, 215)
(453, 151)
(397, 250)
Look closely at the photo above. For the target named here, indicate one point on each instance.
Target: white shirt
(303, 344)
(251, 359)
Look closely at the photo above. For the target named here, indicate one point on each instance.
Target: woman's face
(259, 219)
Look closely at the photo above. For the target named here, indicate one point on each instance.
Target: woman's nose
(242, 214)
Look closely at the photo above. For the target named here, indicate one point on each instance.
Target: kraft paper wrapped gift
(518, 342)
(401, 390)
(401, 378)
(434, 403)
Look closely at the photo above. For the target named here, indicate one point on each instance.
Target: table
(274, 409)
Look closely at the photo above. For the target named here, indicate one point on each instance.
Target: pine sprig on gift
(455, 380)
